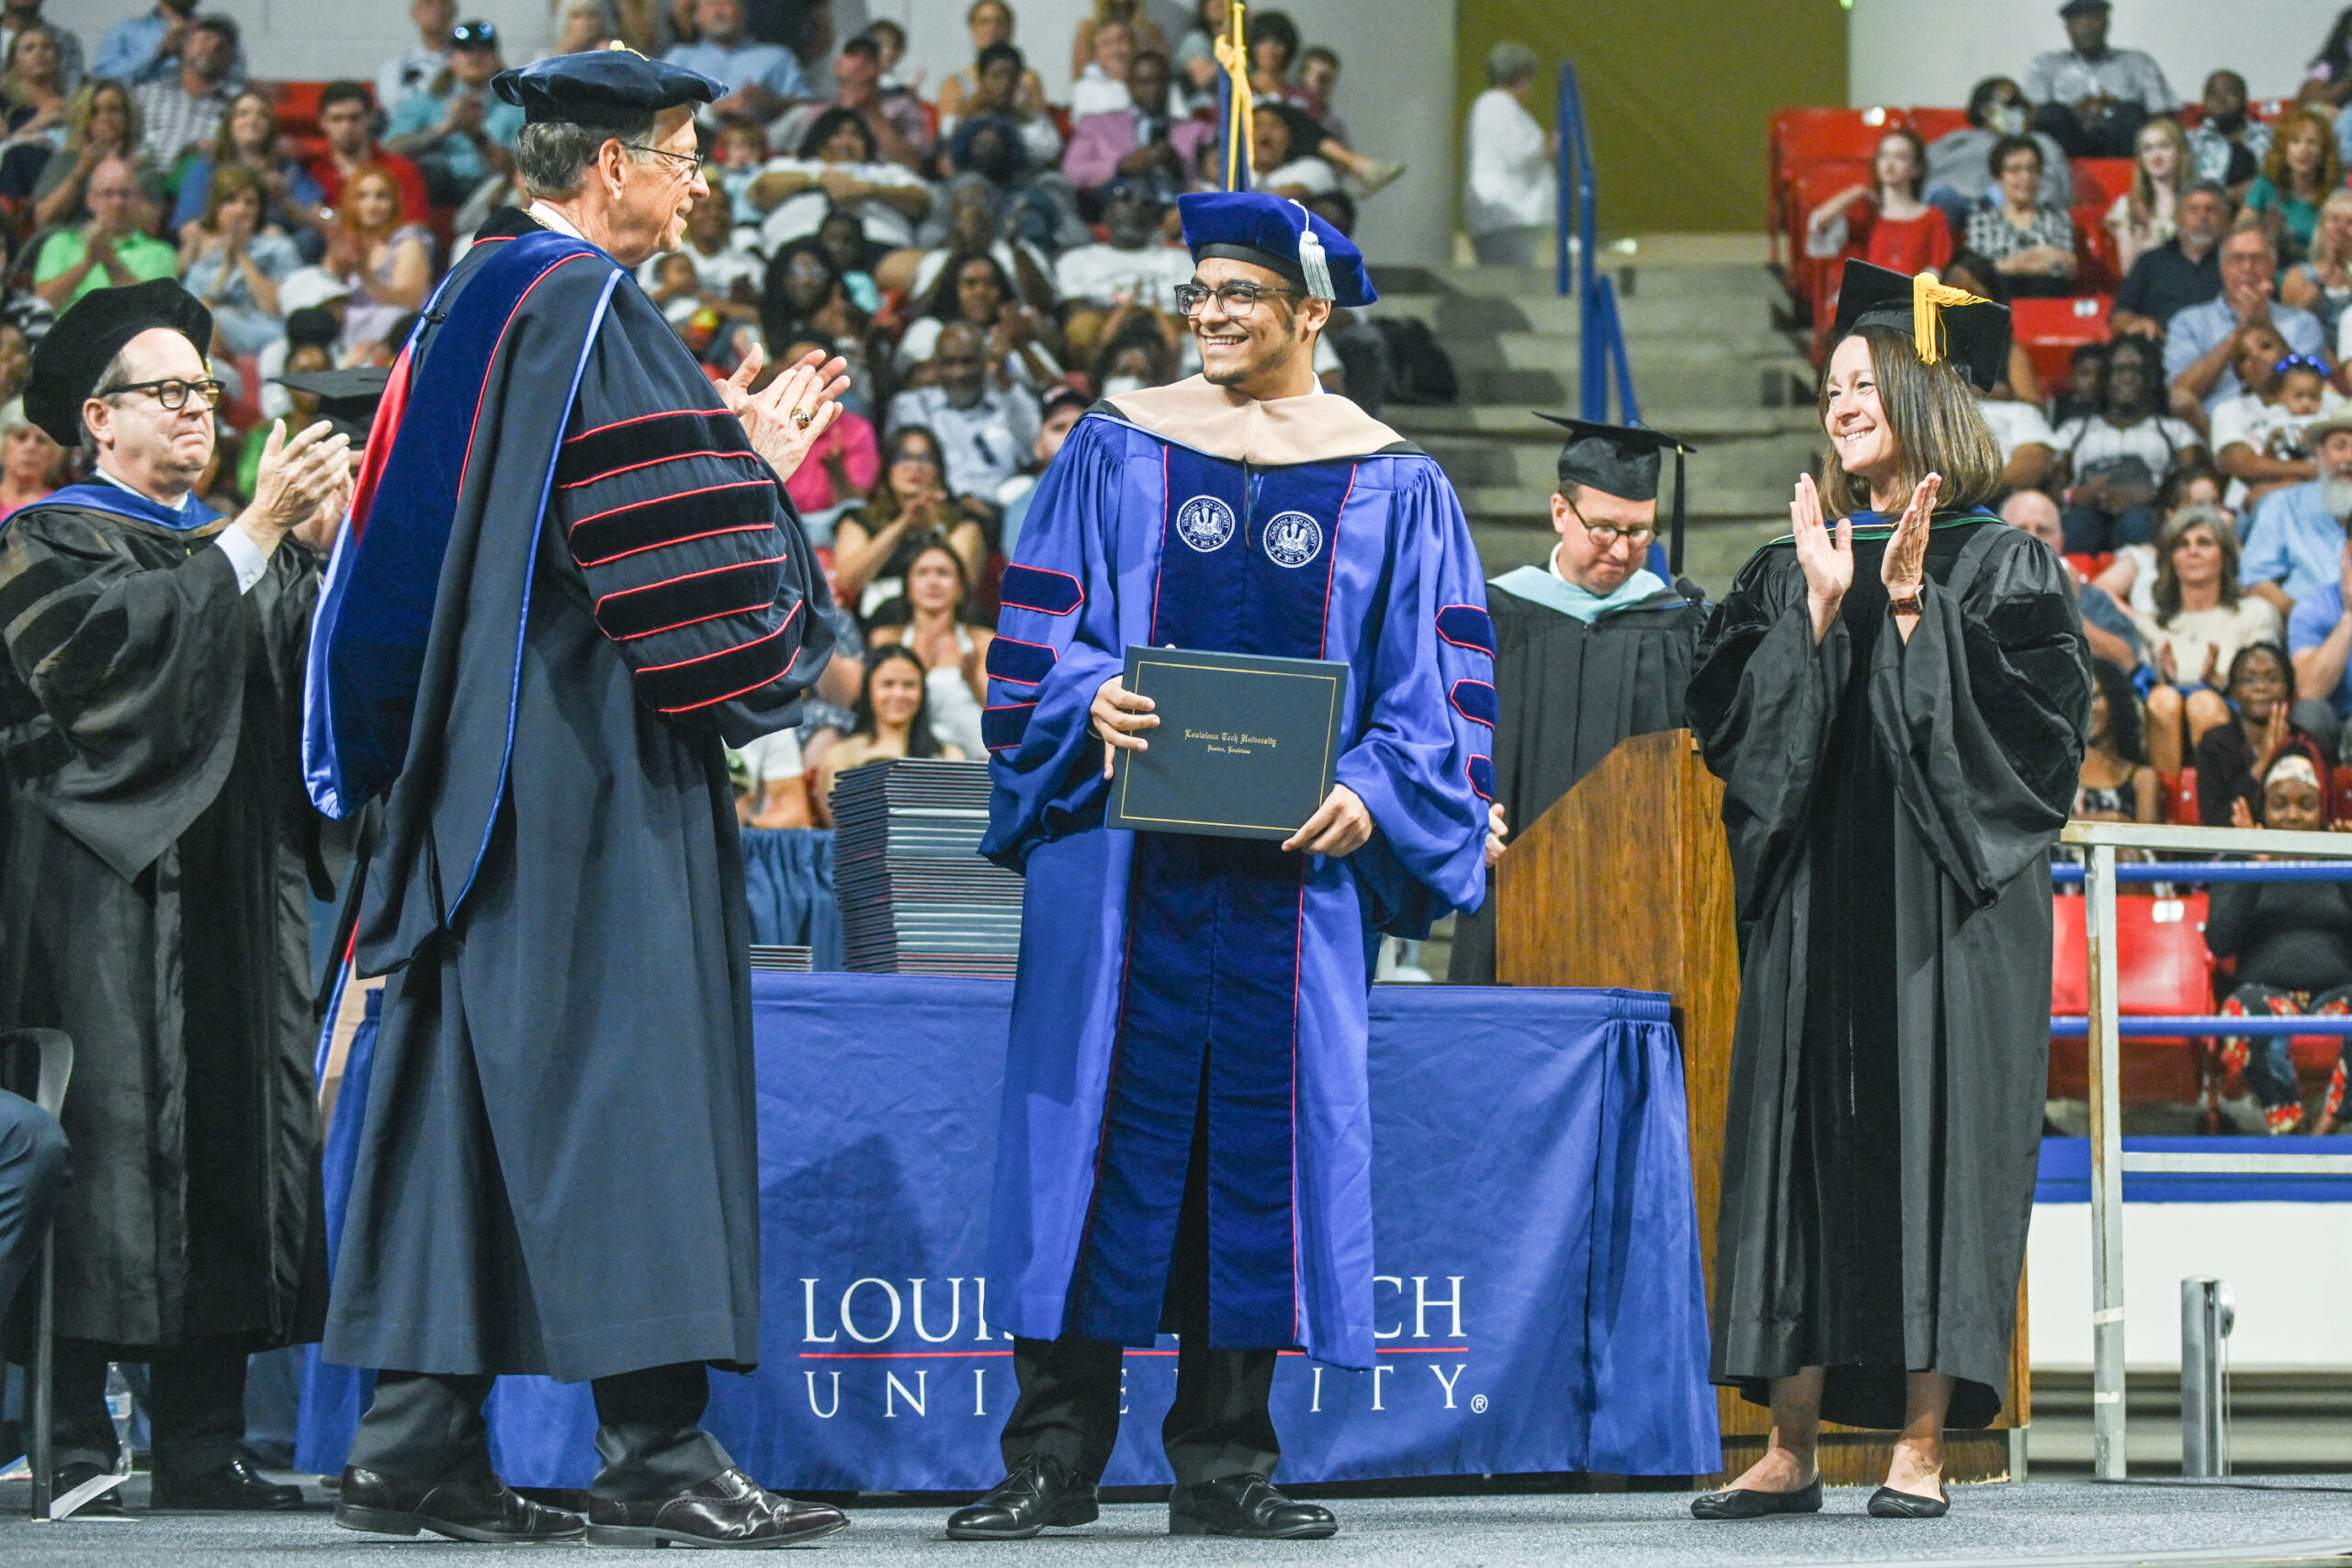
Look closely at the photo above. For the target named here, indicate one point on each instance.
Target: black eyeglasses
(1607, 533)
(1236, 299)
(172, 392)
(694, 163)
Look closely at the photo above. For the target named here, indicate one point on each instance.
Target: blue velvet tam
(599, 85)
(1279, 235)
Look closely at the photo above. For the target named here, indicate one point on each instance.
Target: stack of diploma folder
(781, 960)
(916, 897)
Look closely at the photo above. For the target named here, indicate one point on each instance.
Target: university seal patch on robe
(1164, 975)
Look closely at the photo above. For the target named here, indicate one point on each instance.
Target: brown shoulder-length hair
(1933, 417)
(2177, 527)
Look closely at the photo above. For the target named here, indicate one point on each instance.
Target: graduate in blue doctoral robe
(572, 576)
(1186, 1140)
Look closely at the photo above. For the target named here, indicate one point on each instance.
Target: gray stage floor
(2079, 1524)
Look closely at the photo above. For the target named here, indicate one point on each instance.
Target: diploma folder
(1245, 746)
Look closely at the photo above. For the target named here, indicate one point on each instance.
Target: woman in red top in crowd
(1883, 220)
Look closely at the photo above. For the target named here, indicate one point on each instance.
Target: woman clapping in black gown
(1895, 697)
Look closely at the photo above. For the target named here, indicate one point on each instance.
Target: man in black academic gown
(1591, 647)
(152, 904)
(556, 1171)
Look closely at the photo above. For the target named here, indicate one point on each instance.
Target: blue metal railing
(1602, 340)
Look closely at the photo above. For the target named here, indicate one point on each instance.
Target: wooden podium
(1626, 881)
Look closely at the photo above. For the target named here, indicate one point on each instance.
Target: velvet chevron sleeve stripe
(693, 561)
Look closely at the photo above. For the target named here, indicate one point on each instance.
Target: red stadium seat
(297, 104)
(2180, 791)
(1810, 276)
(1931, 123)
(2164, 969)
(2098, 181)
(2098, 267)
(2050, 330)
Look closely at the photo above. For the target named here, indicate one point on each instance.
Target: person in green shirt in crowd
(109, 251)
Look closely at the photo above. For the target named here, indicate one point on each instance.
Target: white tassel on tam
(1312, 261)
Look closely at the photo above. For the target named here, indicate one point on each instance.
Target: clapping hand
(1827, 558)
(1904, 567)
(787, 419)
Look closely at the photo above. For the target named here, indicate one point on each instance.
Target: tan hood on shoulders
(1316, 428)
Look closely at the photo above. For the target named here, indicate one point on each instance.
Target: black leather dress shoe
(235, 1485)
(1886, 1503)
(1248, 1507)
(480, 1508)
(1040, 1492)
(105, 1505)
(729, 1509)
(1737, 1503)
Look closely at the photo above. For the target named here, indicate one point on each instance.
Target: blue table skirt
(1539, 1300)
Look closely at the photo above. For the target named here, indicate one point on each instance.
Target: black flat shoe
(1041, 1491)
(1737, 1503)
(731, 1509)
(480, 1509)
(1886, 1503)
(235, 1486)
(1247, 1507)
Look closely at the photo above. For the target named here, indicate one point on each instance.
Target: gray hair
(554, 157)
(117, 374)
(1508, 62)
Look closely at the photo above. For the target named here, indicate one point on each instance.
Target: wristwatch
(1908, 604)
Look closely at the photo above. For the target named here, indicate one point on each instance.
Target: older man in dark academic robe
(1590, 647)
(572, 574)
(153, 906)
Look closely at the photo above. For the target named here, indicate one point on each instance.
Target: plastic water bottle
(118, 1407)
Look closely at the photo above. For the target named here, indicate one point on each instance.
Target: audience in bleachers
(29, 461)
(2094, 97)
(384, 257)
(892, 719)
(2228, 144)
(149, 46)
(2295, 537)
(2301, 167)
(2321, 282)
(2031, 244)
(2200, 620)
(2146, 216)
(414, 67)
(2106, 626)
(2201, 341)
(2232, 756)
(346, 122)
(101, 122)
(2115, 783)
(2291, 943)
(912, 505)
(2117, 455)
(111, 249)
(1883, 220)
(1960, 161)
(989, 22)
(2257, 437)
(761, 79)
(183, 109)
(838, 167)
(34, 86)
(455, 130)
(234, 264)
(928, 619)
(19, 15)
(249, 140)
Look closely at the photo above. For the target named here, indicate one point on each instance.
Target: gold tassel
(1929, 300)
(1240, 131)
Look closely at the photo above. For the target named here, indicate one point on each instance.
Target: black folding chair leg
(39, 1410)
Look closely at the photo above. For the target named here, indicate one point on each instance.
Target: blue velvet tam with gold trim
(1279, 235)
(599, 85)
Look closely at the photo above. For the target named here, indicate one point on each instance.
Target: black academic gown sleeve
(691, 551)
(1890, 806)
(132, 648)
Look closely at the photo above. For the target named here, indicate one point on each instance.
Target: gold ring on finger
(803, 417)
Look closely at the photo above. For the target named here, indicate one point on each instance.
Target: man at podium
(1590, 647)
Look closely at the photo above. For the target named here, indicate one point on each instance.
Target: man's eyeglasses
(172, 393)
(1607, 533)
(687, 164)
(1236, 299)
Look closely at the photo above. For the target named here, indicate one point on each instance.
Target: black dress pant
(33, 1166)
(2115, 134)
(1220, 1424)
(195, 1406)
(428, 1427)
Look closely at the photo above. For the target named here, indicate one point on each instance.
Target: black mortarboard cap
(1624, 460)
(1970, 332)
(600, 84)
(347, 398)
(83, 341)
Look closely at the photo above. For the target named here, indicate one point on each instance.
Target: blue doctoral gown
(1166, 975)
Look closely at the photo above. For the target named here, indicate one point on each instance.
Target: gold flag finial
(1240, 135)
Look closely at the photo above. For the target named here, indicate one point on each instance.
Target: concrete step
(1696, 423)
(1750, 472)
(1661, 360)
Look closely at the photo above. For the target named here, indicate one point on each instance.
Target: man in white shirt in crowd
(2201, 341)
(412, 69)
(1273, 168)
(2029, 448)
(2095, 99)
(763, 79)
(1512, 195)
(1101, 88)
(985, 430)
(1132, 265)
